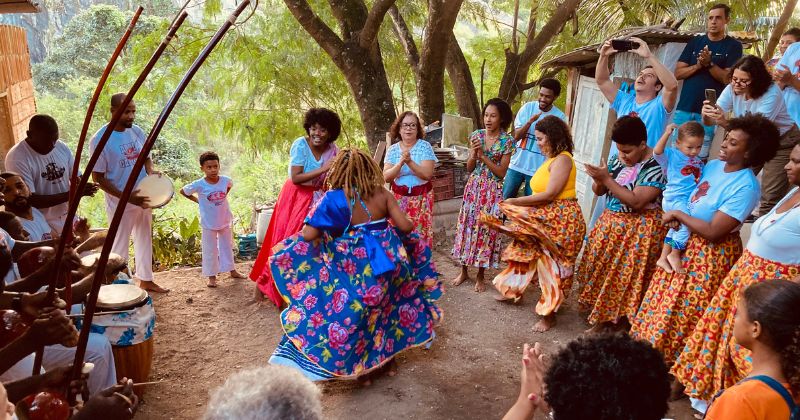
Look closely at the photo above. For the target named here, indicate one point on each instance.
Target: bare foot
(545, 323)
(237, 275)
(664, 264)
(259, 297)
(391, 369)
(212, 281)
(480, 285)
(365, 380)
(464, 276)
(152, 287)
(676, 262)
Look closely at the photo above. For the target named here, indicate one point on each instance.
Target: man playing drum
(111, 173)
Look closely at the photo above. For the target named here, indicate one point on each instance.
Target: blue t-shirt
(421, 151)
(791, 97)
(733, 193)
(724, 53)
(653, 114)
(683, 173)
(529, 158)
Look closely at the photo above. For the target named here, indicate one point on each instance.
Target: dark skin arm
(53, 379)
(190, 197)
(108, 187)
(300, 177)
(636, 199)
(45, 201)
(715, 230)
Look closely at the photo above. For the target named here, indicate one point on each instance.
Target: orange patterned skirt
(674, 303)
(546, 243)
(619, 258)
(419, 210)
(711, 360)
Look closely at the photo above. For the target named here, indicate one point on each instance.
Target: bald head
(128, 116)
(116, 99)
(42, 133)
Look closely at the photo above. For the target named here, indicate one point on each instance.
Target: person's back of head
(607, 377)
(265, 393)
(629, 130)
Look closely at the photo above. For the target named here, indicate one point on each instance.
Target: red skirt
(292, 207)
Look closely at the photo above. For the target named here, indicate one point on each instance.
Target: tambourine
(157, 189)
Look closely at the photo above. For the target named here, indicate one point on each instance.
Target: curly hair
(607, 377)
(760, 78)
(354, 171)
(552, 84)
(775, 304)
(209, 155)
(326, 118)
(557, 132)
(506, 115)
(629, 131)
(270, 393)
(394, 130)
(763, 138)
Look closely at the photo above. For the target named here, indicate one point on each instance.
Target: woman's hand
(405, 157)
(326, 166)
(514, 201)
(670, 219)
(713, 112)
(477, 149)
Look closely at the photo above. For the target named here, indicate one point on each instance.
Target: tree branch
(406, 39)
(325, 37)
(778, 30)
(549, 31)
(373, 24)
(461, 80)
(549, 73)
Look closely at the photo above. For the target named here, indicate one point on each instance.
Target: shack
(589, 113)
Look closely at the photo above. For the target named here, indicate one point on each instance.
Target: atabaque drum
(130, 331)
(158, 190)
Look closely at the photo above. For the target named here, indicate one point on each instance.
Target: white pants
(139, 222)
(98, 351)
(217, 247)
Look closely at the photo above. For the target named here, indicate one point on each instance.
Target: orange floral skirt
(620, 256)
(711, 360)
(546, 242)
(419, 210)
(674, 303)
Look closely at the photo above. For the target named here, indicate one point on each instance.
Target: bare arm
(602, 75)
(423, 171)
(662, 142)
(637, 198)
(300, 177)
(310, 233)
(391, 171)
(521, 132)
(715, 230)
(498, 170)
(398, 216)
(190, 197)
(560, 169)
(105, 184)
(667, 78)
(719, 73)
(685, 71)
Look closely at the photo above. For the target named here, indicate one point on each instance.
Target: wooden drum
(130, 331)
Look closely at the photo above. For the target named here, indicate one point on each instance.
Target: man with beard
(528, 158)
(17, 197)
(111, 172)
(44, 163)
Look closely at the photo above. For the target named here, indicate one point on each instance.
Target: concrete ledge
(445, 215)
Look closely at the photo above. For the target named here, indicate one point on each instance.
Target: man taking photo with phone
(703, 65)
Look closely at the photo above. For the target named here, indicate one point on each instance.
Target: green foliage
(176, 241)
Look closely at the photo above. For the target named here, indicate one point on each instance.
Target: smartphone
(711, 96)
(624, 45)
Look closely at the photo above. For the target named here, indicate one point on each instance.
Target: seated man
(17, 199)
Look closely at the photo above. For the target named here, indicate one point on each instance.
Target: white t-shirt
(775, 236)
(44, 174)
(118, 157)
(38, 229)
(215, 212)
(770, 105)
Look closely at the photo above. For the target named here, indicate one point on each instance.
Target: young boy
(215, 218)
(683, 169)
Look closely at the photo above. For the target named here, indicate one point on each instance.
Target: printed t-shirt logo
(691, 170)
(702, 191)
(130, 152)
(53, 172)
(217, 197)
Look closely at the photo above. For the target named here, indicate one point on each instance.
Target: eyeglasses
(740, 82)
(409, 125)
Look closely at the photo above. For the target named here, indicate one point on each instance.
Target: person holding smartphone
(703, 66)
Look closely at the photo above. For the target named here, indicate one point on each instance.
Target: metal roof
(19, 6)
(654, 35)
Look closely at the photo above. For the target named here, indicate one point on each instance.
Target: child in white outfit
(683, 169)
(215, 218)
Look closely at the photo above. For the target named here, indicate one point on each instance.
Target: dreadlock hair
(354, 171)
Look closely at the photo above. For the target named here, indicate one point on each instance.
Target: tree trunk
(779, 29)
(518, 66)
(463, 86)
(438, 31)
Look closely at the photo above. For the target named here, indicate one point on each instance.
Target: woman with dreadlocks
(357, 293)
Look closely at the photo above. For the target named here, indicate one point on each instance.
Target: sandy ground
(472, 370)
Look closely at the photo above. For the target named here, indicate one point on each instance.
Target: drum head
(157, 188)
(120, 296)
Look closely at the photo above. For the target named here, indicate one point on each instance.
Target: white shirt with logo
(37, 229)
(215, 212)
(44, 175)
(117, 159)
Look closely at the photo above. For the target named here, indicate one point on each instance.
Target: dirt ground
(471, 371)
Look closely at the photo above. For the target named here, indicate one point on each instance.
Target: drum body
(157, 188)
(130, 332)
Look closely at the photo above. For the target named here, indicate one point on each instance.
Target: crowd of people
(677, 304)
